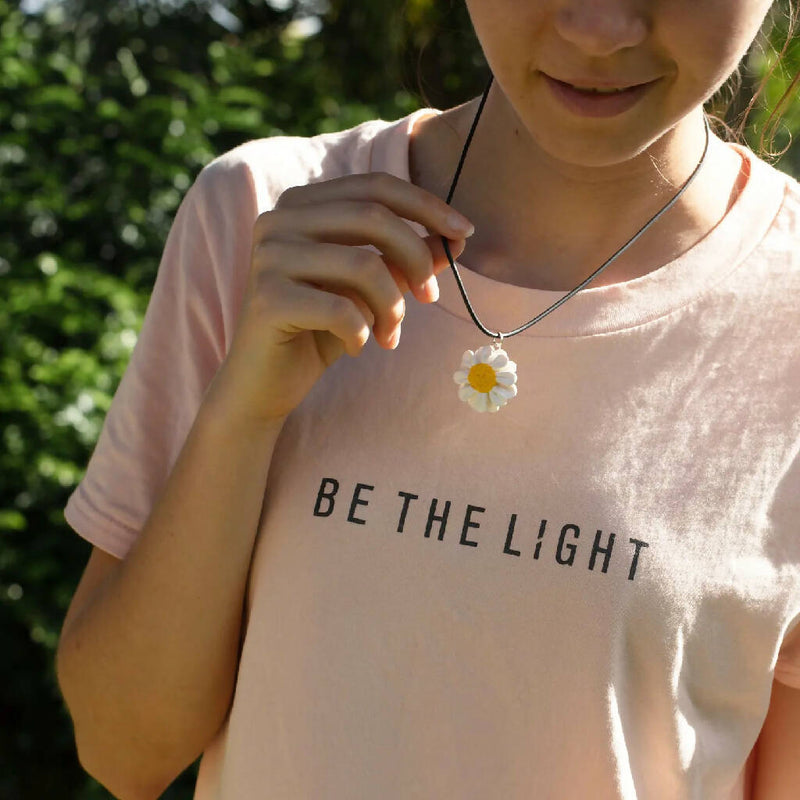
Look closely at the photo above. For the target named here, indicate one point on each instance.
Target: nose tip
(600, 29)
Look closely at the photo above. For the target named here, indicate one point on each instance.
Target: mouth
(598, 89)
(599, 100)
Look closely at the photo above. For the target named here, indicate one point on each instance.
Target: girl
(335, 579)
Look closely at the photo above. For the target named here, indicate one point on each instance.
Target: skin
(567, 187)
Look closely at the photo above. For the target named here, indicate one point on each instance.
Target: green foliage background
(108, 110)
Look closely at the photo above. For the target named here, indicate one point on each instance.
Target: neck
(546, 224)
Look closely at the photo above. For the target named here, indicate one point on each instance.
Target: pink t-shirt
(585, 595)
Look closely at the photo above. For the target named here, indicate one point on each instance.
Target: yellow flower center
(482, 378)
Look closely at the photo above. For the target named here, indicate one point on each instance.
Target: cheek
(709, 49)
(508, 46)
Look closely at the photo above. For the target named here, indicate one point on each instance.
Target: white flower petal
(510, 367)
(498, 359)
(483, 354)
(501, 395)
(479, 401)
(462, 376)
(468, 359)
(506, 378)
(493, 408)
(466, 392)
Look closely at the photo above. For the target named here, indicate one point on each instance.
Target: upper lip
(598, 83)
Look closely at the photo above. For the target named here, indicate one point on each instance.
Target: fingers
(299, 308)
(403, 198)
(338, 268)
(369, 209)
(430, 288)
(310, 251)
(358, 223)
(362, 275)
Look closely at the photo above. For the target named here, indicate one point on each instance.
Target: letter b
(327, 491)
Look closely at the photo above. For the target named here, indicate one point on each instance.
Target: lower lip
(595, 104)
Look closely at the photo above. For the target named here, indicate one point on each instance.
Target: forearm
(148, 666)
(777, 755)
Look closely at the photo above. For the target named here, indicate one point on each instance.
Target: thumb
(440, 262)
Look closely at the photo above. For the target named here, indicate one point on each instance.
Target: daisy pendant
(487, 378)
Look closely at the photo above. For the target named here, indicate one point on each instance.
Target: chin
(597, 142)
(594, 150)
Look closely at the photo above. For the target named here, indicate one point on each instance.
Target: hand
(313, 294)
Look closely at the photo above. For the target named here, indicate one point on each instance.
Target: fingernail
(461, 225)
(394, 339)
(431, 288)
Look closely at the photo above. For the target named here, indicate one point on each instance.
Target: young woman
(336, 578)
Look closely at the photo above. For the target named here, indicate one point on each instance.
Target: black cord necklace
(487, 378)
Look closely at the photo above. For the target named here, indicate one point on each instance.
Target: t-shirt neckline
(603, 309)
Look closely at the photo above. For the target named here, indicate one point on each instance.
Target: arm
(148, 654)
(777, 757)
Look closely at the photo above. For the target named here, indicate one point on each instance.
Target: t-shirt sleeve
(787, 669)
(189, 322)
